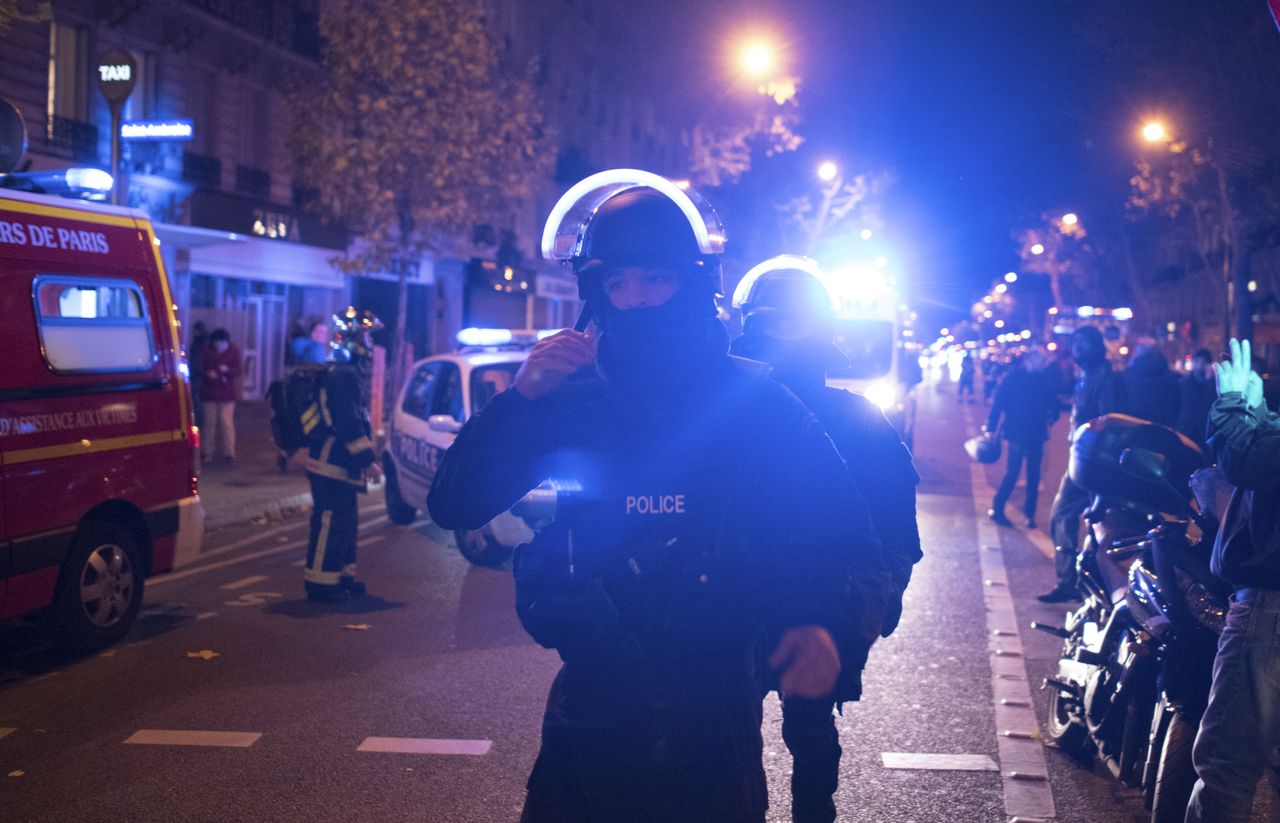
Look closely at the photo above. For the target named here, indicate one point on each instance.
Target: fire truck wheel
(398, 511)
(480, 547)
(100, 587)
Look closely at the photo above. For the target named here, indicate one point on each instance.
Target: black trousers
(1018, 453)
(809, 730)
(1064, 524)
(645, 745)
(331, 547)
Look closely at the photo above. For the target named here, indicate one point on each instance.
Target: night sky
(989, 113)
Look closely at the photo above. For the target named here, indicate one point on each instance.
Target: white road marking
(253, 599)
(206, 615)
(1024, 773)
(174, 737)
(939, 762)
(372, 540)
(5, 731)
(424, 745)
(247, 581)
(231, 561)
(299, 563)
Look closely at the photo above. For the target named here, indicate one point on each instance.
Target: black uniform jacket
(347, 448)
(1028, 404)
(1247, 444)
(683, 528)
(885, 475)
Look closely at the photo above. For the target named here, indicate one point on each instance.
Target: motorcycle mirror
(1144, 464)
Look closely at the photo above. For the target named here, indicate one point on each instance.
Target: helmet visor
(566, 227)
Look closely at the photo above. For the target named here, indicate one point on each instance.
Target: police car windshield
(869, 347)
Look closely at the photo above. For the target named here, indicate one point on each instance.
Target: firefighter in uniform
(788, 307)
(673, 546)
(340, 464)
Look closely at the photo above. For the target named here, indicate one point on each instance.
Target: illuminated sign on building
(157, 130)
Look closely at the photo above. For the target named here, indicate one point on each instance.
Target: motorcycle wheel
(1065, 730)
(1177, 776)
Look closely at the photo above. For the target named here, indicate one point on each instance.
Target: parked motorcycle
(1136, 660)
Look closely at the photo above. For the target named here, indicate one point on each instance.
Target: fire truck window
(93, 324)
(489, 381)
(420, 395)
(449, 400)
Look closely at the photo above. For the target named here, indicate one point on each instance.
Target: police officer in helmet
(704, 505)
(788, 309)
(341, 460)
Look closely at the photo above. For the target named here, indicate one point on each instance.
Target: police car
(440, 394)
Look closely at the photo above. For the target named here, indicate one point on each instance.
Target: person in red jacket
(219, 392)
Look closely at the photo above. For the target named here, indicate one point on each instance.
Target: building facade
(243, 251)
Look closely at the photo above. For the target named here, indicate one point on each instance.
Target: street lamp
(1011, 277)
(827, 171)
(757, 59)
(1155, 132)
(1037, 248)
(1070, 219)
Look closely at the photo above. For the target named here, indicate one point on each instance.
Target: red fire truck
(98, 447)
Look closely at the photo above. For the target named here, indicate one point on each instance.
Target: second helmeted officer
(788, 308)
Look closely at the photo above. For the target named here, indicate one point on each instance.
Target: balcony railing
(202, 170)
(71, 138)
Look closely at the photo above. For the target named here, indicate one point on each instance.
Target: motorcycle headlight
(883, 393)
(1210, 611)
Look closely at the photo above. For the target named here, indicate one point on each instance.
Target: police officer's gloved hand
(553, 360)
(808, 661)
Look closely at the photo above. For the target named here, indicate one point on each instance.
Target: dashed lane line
(246, 581)
(939, 762)
(424, 745)
(181, 737)
(206, 615)
(5, 731)
(1023, 770)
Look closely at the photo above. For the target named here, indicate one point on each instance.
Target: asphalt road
(307, 698)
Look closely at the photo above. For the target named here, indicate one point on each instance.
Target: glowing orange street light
(1155, 132)
(827, 171)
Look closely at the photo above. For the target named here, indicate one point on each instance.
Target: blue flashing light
(484, 337)
(1123, 314)
(1085, 311)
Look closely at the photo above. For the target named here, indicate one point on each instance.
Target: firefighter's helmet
(351, 335)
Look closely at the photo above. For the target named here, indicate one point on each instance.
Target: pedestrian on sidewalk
(1028, 405)
(1240, 730)
(967, 375)
(340, 459)
(219, 391)
(713, 506)
(195, 368)
(1197, 391)
(313, 347)
(788, 316)
(1099, 391)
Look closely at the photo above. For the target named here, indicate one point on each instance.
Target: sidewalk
(254, 487)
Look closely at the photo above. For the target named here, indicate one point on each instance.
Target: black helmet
(791, 284)
(626, 217)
